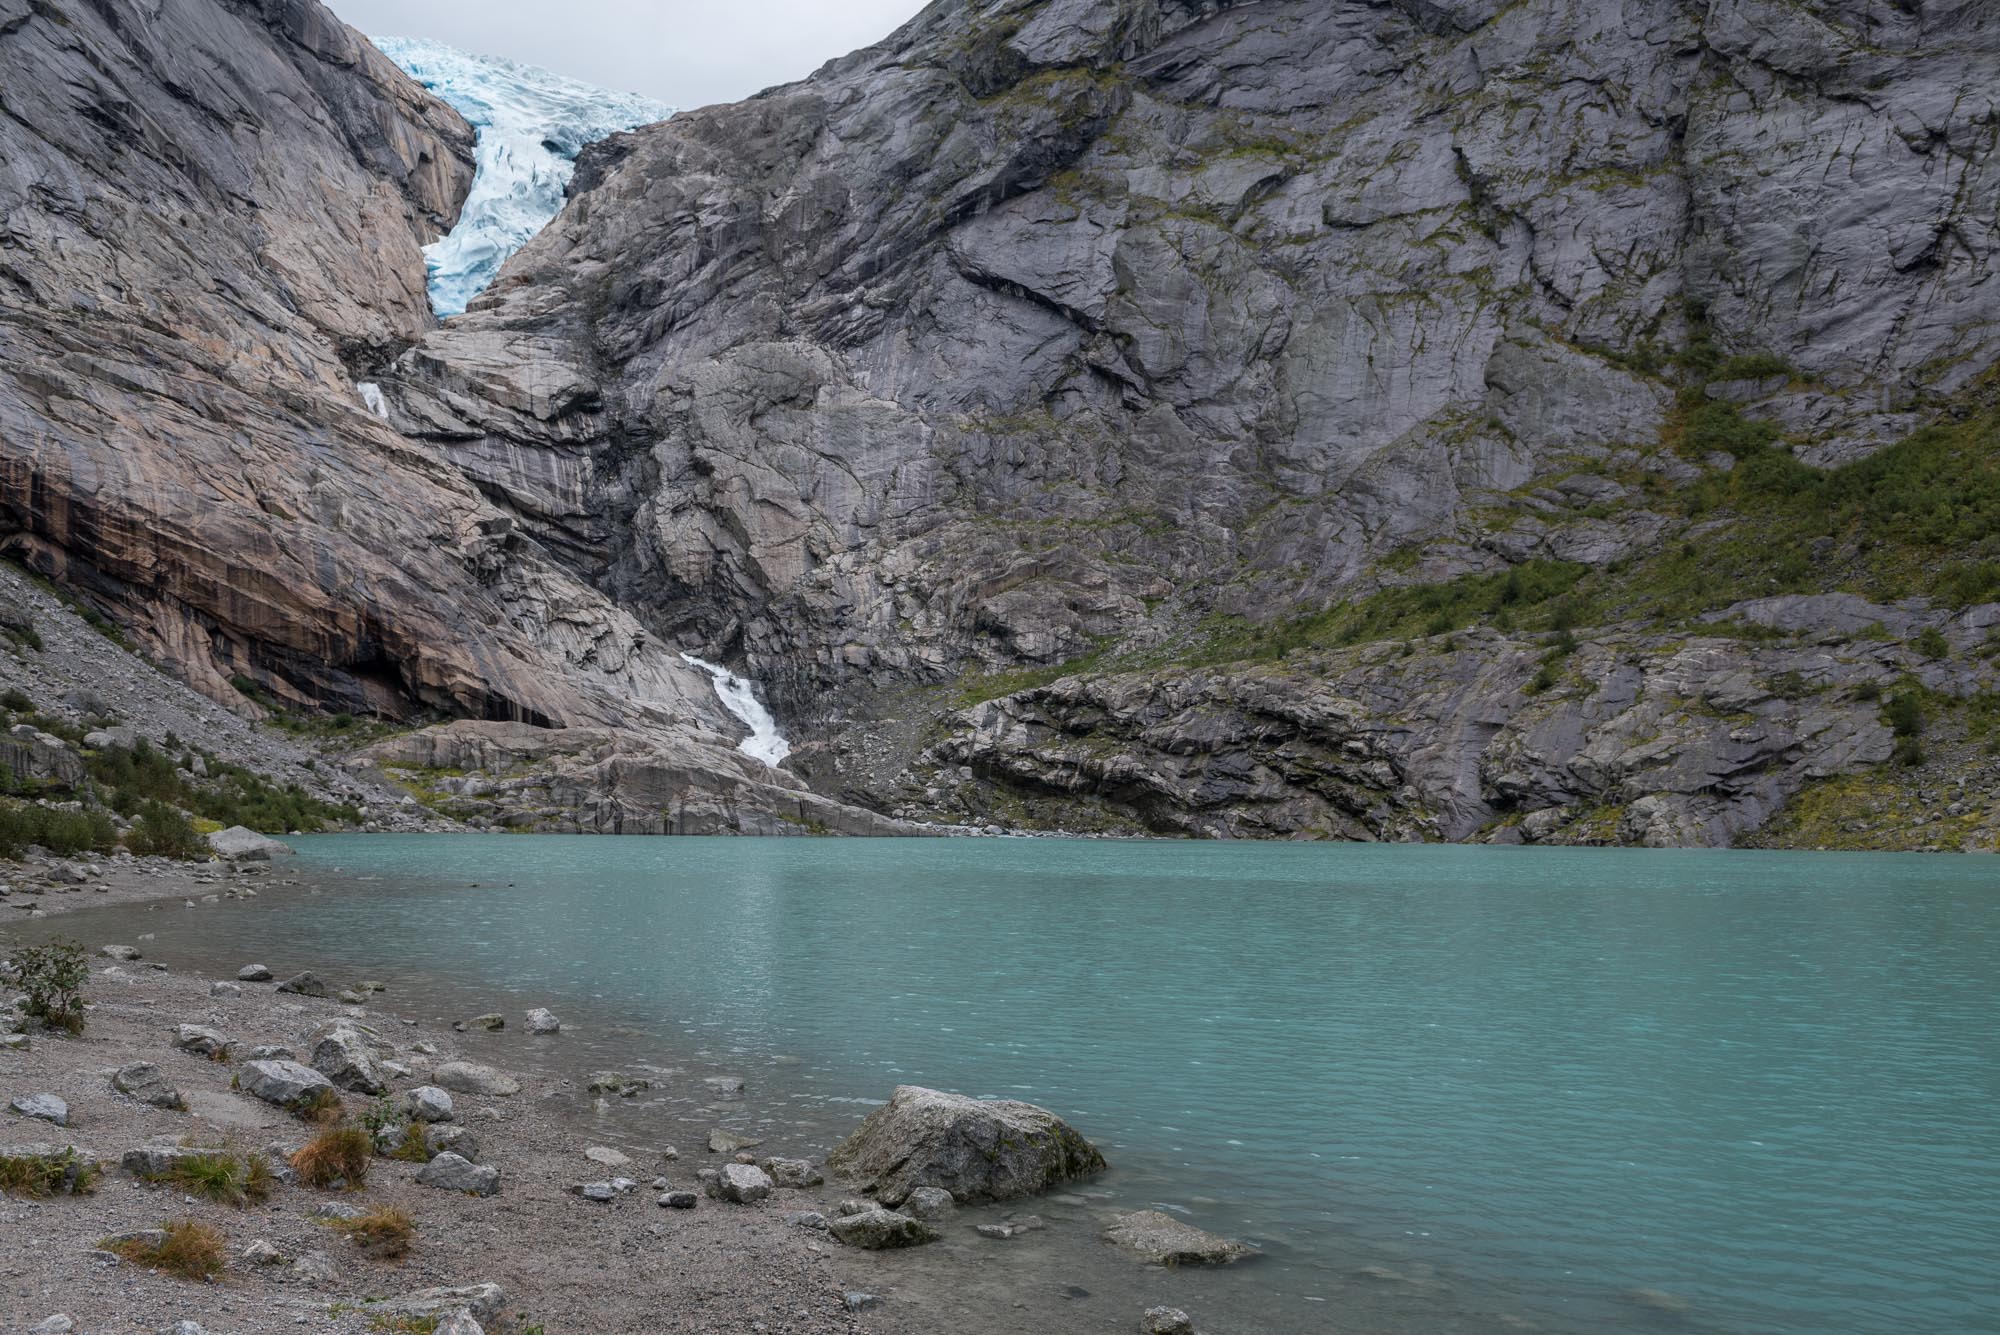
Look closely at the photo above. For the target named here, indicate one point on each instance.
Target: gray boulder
(729, 1142)
(443, 1137)
(929, 1203)
(484, 1302)
(224, 990)
(473, 1078)
(678, 1200)
(285, 1083)
(453, 1172)
(254, 973)
(156, 1161)
(41, 1108)
(307, 984)
(543, 1021)
(977, 1151)
(1166, 1321)
(1161, 1239)
(880, 1230)
(740, 1182)
(340, 1052)
(125, 953)
(428, 1103)
(457, 1322)
(143, 1081)
(236, 844)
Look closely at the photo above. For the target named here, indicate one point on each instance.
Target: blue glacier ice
(531, 126)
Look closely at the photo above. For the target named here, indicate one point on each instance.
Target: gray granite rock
(973, 1149)
(451, 1172)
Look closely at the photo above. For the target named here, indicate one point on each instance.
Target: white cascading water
(739, 697)
(371, 395)
(531, 125)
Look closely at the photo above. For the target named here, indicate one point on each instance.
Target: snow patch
(739, 697)
(531, 126)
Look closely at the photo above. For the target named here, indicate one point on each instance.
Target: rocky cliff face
(1121, 369)
(211, 214)
(1065, 331)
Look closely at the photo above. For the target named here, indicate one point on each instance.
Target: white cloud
(688, 53)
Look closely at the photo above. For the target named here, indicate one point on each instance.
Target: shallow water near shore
(1444, 1089)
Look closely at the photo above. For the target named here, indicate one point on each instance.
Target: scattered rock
(453, 1172)
(473, 1078)
(200, 1041)
(184, 1328)
(224, 990)
(725, 1087)
(59, 1324)
(542, 1021)
(126, 953)
(854, 1300)
(624, 1086)
(41, 1108)
(929, 1203)
(285, 1083)
(1165, 1321)
(1011, 1228)
(307, 984)
(340, 1052)
(483, 1301)
(154, 1161)
(273, 1052)
(679, 1200)
(428, 1103)
(316, 1267)
(486, 1022)
(881, 1230)
(457, 1322)
(740, 1182)
(1161, 1239)
(261, 1253)
(142, 1081)
(978, 1151)
(728, 1142)
(253, 973)
(793, 1173)
(610, 1158)
(14, 1042)
(441, 1138)
(809, 1219)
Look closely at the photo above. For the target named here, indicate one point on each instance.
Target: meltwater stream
(739, 697)
(1444, 1089)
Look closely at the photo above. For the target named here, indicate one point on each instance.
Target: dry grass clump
(39, 1176)
(384, 1233)
(322, 1106)
(412, 1148)
(337, 1154)
(189, 1249)
(232, 1179)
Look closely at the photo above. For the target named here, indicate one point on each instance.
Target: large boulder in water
(1161, 1239)
(976, 1150)
(237, 844)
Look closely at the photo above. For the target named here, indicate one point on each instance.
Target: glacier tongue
(531, 126)
(739, 697)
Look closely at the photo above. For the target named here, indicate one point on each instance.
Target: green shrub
(62, 831)
(1905, 714)
(38, 1176)
(167, 832)
(17, 702)
(52, 979)
(1932, 643)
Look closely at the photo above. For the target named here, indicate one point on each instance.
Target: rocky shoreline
(526, 1216)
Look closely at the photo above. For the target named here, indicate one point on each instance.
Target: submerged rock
(1166, 1321)
(543, 1021)
(1161, 1239)
(729, 1142)
(977, 1151)
(307, 984)
(880, 1230)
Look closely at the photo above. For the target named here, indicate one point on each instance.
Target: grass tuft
(384, 1233)
(322, 1106)
(337, 1154)
(40, 1176)
(231, 1179)
(190, 1250)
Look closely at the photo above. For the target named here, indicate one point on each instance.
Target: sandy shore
(564, 1263)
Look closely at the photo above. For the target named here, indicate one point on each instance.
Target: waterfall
(371, 395)
(739, 697)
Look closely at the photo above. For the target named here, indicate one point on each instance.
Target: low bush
(62, 831)
(39, 1176)
(51, 979)
(167, 832)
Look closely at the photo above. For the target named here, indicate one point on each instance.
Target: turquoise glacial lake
(1444, 1089)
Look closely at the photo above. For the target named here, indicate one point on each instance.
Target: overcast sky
(686, 53)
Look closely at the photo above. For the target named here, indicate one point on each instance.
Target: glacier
(531, 125)
(739, 697)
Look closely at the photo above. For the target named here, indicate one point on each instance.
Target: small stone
(59, 1324)
(307, 984)
(253, 973)
(853, 1206)
(272, 1052)
(13, 1042)
(285, 1083)
(881, 1230)
(808, 1219)
(741, 1183)
(142, 1081)
(624, 1086)
(487, 1022)
(929, 1203)
(224, 990)
(728, 1142)
(126, 953)
(42, 1108)
(679, 1200)
(261, 1252)
(793, 1173)
(452, 1172)
(337, 1210)
(428, 1103)
(854, 1300)
(543, 1021)
(184, 1328)
(1161, 1239)
(1165, 1321)
(459, 1322)
(442, 1137)
(1011, 1228)
(316, 1267)
(605, 1155)
(200, 1041)
(598, 1191)
(724, 1086)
